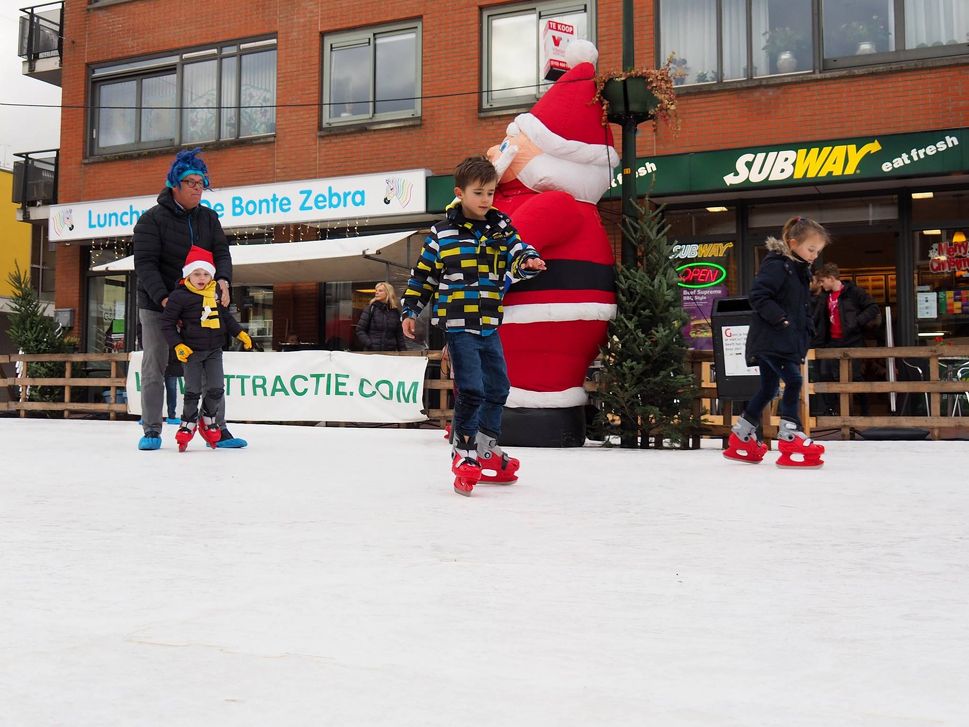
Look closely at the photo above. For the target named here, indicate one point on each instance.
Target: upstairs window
(211, 94)
(513, 51)
(862, 32)
(372, 74)
(729, 40)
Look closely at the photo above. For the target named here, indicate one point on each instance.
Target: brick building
(854, 113)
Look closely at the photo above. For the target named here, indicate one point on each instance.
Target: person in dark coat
(195, 324)
(842, 314)
(379, 327)
(162, 238)
(780, 333)
(173, 372)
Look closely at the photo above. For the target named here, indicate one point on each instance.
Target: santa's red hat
(198, 258)
(566, 124)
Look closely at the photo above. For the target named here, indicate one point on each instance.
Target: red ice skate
(797, 449)
(210, 432)
(184, 435)
(496, 466)
(743, 445)
(464, 465)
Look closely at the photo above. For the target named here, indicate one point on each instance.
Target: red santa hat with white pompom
(566, 125)
(198, 258)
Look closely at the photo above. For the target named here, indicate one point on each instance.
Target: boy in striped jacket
(461, 273)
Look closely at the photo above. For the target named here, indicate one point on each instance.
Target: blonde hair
(391, 295)
(797, 228)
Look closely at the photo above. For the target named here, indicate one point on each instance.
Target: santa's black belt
(571, 275)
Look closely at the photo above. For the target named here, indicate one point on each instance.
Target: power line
(454, 94)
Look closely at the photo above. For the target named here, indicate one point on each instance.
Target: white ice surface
(330, 576)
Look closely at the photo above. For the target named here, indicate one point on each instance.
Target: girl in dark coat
(778, 342)
(379, 326)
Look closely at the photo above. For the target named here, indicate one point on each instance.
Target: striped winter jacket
(462, 270)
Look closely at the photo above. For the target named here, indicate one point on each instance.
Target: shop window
(934, 208)
(726, 40)
(513, 50)
(862, 32)
(254, 310)
(706, 256)
(372, 74)
(209, 94)
(942, 285)
(43, 254)
(106, 303)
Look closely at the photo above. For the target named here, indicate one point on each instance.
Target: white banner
(332, 386)
(309, 200)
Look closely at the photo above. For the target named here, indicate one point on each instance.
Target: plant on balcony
(872, 30)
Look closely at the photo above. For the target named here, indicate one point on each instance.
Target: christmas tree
(646, 387)
(34, 332)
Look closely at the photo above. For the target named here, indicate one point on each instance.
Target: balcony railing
(35, 180)
(42, 38)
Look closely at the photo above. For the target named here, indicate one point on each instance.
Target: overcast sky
(23, 129)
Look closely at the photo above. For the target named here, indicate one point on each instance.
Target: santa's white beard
(585, 182)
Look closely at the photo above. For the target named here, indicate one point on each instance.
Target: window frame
(821, 64)
(356, 36)
(539, 8)
(140, 68)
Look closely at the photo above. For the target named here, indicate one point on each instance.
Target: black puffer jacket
(162, 238)
(379, 328)
(186, 307)
(857, 310)
(780, 296)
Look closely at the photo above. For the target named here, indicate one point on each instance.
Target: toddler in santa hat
(194, 324)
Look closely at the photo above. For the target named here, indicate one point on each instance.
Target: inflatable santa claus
(555, 163)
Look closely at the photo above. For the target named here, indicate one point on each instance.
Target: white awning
(352, 258)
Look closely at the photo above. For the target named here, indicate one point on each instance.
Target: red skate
(184, 435)
(210, 433)
(447, 432)
(797, 449)
(466, 474)
(464, 465)
(743, 445)
(496, 466)
(750, 451)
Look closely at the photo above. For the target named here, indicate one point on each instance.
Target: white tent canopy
(321, 261)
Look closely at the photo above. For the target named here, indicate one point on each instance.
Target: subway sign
(701, 275)
(866, 158)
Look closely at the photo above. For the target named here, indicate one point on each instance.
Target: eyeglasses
(194, 183)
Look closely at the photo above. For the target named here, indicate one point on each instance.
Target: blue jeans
(773, 369)
(171, 392)
(481, 380)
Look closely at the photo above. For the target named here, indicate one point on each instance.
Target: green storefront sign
(863, 158)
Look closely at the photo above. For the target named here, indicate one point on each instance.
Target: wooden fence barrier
(23, 380)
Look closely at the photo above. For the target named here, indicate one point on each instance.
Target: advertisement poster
(734, 352)
(698, 306)
(333, 386)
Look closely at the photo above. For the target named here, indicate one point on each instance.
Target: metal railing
(35, 179)
(41, 33)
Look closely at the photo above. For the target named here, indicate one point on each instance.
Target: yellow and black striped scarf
(210, 306)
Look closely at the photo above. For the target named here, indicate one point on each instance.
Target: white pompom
(512, 129)
(581, 51)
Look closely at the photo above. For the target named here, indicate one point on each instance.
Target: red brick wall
(451, 127)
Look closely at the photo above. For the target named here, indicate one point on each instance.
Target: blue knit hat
(187, 163)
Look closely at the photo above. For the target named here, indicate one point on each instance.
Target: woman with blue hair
(162, 238)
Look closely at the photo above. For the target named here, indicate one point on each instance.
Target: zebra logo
(63, 220)
(400, 189)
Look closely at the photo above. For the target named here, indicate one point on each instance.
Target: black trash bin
(731, 321)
